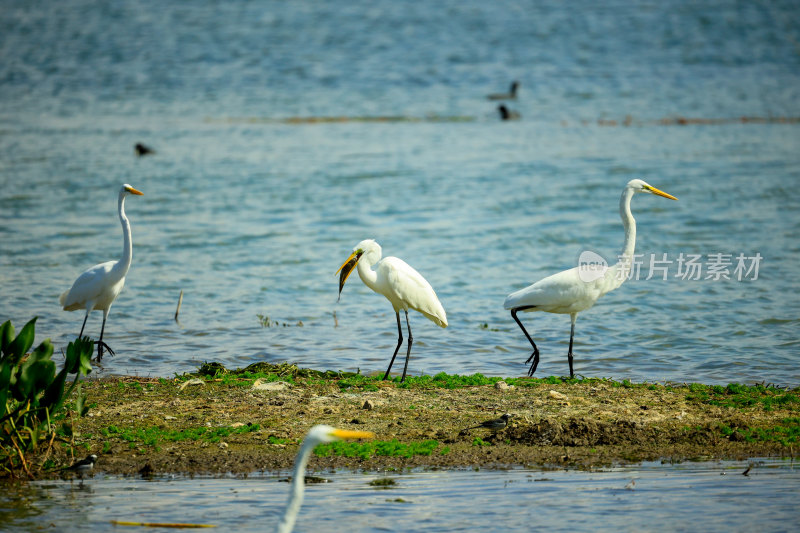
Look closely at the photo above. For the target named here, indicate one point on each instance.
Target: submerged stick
(180, 301)
(158, 524)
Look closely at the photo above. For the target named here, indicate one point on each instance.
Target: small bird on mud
(84, 466)
(496, 424)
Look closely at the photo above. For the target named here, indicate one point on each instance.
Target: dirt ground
(134, 425)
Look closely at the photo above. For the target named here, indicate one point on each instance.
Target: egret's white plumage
(320, 434)
(404, 287)
(567, 292)
(99, 286)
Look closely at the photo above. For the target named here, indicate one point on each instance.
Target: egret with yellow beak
(320, 434)
(404, 287)
(577, 289)
(99, 286)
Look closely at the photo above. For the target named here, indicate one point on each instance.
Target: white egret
(510, 95)
(404, 287)
(575, 290)
(316, 435)
(99, 286)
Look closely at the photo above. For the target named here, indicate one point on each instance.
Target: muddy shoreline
(243, 424)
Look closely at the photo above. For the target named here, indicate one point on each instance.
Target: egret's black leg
(569, 353)
(408, 353)
(399, 342)
(80, 335)
(535, 355)
(101, 344)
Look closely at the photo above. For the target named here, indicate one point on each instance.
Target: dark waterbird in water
(507, 114)
(510, 95)
(142, 150)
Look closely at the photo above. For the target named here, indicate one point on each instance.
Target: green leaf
(5, 383)
(20, 346)
(85, 359)
(53, 395)
(34, 378)
(43, 352)
(6, 335)
(80, 408)
(34, 436)
(79, 356)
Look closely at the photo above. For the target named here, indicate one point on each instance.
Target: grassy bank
(218, 421)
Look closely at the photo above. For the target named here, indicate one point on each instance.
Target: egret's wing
(408, 286)
(87, 287)
(564, 292)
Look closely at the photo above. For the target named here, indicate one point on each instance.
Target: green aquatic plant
(32, 393)
(267, 322)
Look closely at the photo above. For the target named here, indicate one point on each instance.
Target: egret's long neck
(297, 489)
(365, 272)
(629, 244)
(628, 222)
(127, 247)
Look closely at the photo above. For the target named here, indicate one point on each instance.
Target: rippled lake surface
(649, 497)
(287, 132)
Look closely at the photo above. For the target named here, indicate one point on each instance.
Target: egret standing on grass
(98, 287)
(316, 435)
(577, 289)
(404, 287)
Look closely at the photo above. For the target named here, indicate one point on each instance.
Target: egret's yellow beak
(134, 191)
(347, 268)
(349, 434)
(659, 193)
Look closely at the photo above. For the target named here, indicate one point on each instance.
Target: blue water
(250, 211)
(712, 496)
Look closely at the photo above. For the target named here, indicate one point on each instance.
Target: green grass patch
(477, 441)
(358, 382)
(392, 448)
(355, 381)
(786, 434)
(272, 439)
(154, 435)
(737, 396)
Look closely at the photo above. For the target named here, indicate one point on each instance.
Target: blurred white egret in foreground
(404, 287)
(577, 289)
(316, 435)
(99, 286)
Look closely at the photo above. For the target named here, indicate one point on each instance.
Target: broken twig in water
(180, 301)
